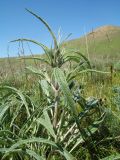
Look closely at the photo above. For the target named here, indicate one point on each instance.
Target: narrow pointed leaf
(36, 71)
(20, 94)
(67, 155)
(112, 157)
(85, 58)
(31, 140)
(33, 154)
(38, 58)
(45, 48)
(46, 122)
(48, 27)
(60, 78)
(3, 109)
(33, 41)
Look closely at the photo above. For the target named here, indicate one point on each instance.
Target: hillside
(102, 44)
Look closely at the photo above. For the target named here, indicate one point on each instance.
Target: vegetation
(58, 111)
(101, 45)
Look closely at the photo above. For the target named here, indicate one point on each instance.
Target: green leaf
(36, 71)
(112, 157)
(38, 58)
(33, 154)
(79, 141)
(16, 113)
(8, 132)
(45, 87)
(3, 109)
(75, 73)
(31, 140)
(64, 86)
(20, 94)
(72, 58)
(45, 48)
(47, 26)
(94, 127)
(60, 78)
(67, 155)
(46, 122)
(25, 127)
(3, 150)
(33, 41)
(84, 57)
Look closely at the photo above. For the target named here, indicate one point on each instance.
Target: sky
(68, 16)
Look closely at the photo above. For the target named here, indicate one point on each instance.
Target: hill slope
(102, 44)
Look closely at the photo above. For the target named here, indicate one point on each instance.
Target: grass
(103, 45)
(63, 110)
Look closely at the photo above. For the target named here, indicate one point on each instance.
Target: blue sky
(72, 16)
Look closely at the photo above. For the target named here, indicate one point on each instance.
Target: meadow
(64, 104)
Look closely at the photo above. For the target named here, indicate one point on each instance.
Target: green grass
(100, 46)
